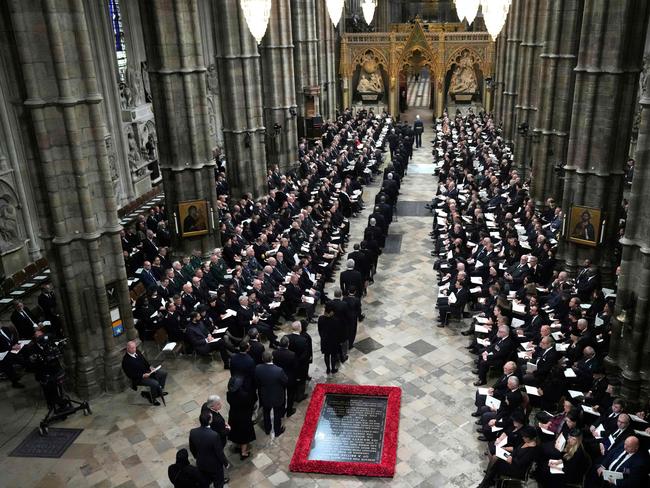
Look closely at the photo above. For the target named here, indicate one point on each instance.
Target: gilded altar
(459, 63)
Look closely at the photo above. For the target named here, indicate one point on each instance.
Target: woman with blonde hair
(570, 467)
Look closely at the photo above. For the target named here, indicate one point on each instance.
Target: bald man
(140, 372)
(626, 459)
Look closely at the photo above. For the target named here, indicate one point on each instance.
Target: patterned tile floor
(128, 444)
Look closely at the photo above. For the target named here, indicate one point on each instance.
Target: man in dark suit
(8, 344)
(140, 372)
(147, 277)
(300, 347)
(626, 459)
(354, 314)
(361, 262)
(496, 353)
(149, 246)
(242, 364)
(351, 278)
(418, 129)
(256, 348)
(545, 357)
(512, 401)
(286, 359)
(202, 341)
(498, 389)
(24, 320)
(271, 382)
(206, 448)
(217, 422)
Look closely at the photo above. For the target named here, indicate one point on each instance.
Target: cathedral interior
(157, 157)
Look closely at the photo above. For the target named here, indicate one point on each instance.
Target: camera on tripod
(45, 361)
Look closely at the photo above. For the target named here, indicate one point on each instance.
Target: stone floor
(126, 443)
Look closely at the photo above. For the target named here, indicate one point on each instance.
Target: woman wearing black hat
(183, 475)
(517, 464)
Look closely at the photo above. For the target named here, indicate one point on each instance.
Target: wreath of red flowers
(386, 468)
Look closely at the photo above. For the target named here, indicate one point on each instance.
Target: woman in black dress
(240, 415)
(518, 463)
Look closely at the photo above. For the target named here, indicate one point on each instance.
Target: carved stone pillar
(556, 84)
(500, 72)
(327, 62)
(76, 203)
(241, 100)
(513, 58)
(279, 89)
(534, 19)
(305, 41)
(609, 62)
(177, 76)
(630, 340)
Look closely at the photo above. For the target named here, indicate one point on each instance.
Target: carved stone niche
(13, 252)
(138, 162)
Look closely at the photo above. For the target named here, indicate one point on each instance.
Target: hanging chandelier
(335, 9)
(495, 13)
(368, 8)
(467, 9)
(257, 14)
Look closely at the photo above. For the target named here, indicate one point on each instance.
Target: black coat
(256, 350)
(287, 360)
(242, 364)
(134, 368)
(352, 278)
(24, 326)
(218, 423)
(329, 331)
(271, 383)
(206, 447)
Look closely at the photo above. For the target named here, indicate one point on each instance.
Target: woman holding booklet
(570, 464)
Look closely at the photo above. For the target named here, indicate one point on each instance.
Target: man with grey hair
(495, 354)
(499, 418)
(351, 279)
(218, 423)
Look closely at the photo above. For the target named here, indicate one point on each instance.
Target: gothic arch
(379, 56)
(429, 59)
(477, 58)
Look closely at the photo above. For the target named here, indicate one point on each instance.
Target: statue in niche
(112, 163)
(463, 79)
(144, 70)
(134, 82)
(135, 157)
(126, 99)
(212, 118)
(8, 223)
(212, 79)
(370, 80)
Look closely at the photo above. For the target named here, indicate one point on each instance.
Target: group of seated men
(277, 252)
(548, 333)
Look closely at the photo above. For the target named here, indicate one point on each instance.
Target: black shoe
(267, 432)
(441, 324)
(226, 479)
(478, 422)
(470, 347)
(328, 371)
(466, 332)
(475, 371)
(479, 430)
(476, 414)
(155, 403)
(278, 434)
(482, 438)
(335, 370)
(291, 412)
(17, 385)
(165, 393)
(480, 383)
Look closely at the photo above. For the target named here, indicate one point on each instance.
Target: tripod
(59, 403)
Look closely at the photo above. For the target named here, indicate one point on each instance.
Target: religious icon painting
(584, 225)
(193, 218)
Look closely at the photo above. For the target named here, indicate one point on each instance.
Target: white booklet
(492, 402)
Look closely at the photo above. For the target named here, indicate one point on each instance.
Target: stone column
(240, 77)
(74, 190)
(609, 62)
(500, 72)
(305, 41)
(327, 62)
(279, 88)
(513, 58)
(629, 349)
(534, 18)
(177, 72)
(556, 84)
